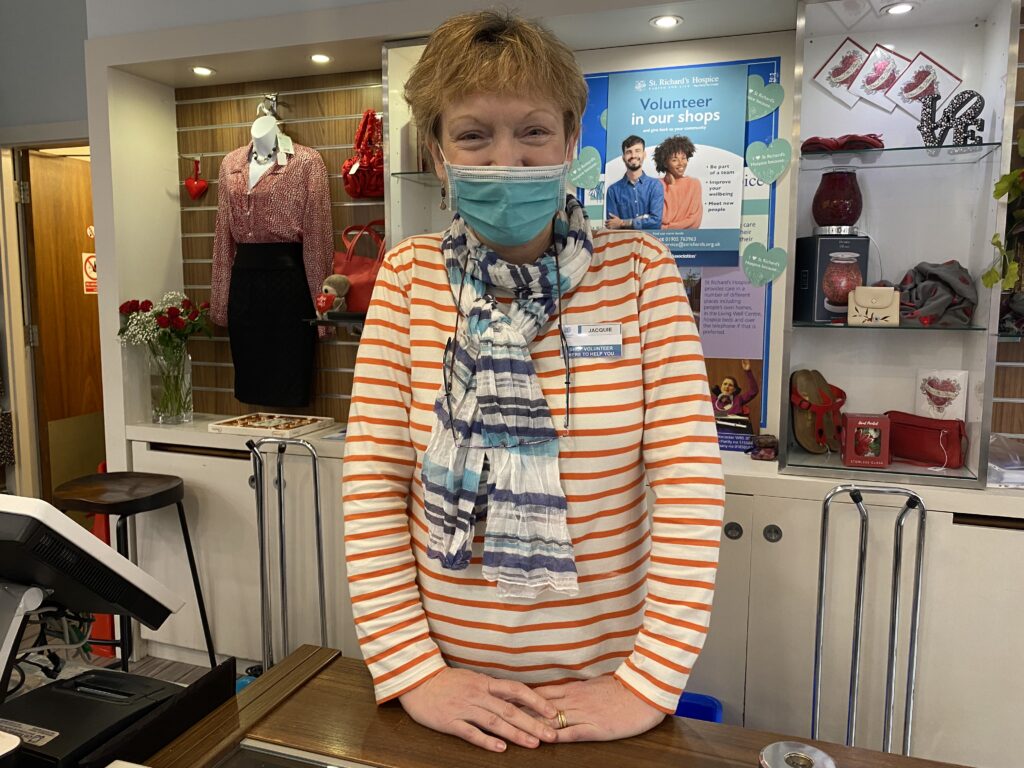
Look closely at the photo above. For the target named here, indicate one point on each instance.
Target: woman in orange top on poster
(684, 207)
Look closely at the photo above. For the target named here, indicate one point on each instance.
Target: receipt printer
(62, 722)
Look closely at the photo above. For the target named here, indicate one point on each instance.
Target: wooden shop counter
(317, 708)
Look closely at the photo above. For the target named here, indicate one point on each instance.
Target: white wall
(121, 17)
(43, 64)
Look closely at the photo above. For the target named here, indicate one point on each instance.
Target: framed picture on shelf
(881, 70)
(838, 73)
(941, 394)
(924, 77)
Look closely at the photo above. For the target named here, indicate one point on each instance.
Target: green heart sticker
(586, 169)
(768, 163)
(762, 99)
(761, 266)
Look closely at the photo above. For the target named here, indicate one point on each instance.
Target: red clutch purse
(928, 442)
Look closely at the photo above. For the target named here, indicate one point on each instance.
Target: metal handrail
(266, 630)
(913, 501)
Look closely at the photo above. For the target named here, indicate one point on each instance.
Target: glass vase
(170, 383)
(837, 201)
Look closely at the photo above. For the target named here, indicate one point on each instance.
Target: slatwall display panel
(321, 112)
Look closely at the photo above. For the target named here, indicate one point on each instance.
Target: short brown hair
(673, 145)
(491, 52)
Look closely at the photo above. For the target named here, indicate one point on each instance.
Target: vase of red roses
(164, 329)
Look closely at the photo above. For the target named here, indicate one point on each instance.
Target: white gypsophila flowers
(141, 328)
(170, 299)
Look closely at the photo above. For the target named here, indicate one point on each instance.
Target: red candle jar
(837, 201)
(841, 276)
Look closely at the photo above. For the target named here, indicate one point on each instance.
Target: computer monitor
(46, 556)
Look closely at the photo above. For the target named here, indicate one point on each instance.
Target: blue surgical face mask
(506, 205)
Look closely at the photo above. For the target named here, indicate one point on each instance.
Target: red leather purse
(928, 442)
(363, 173)
(360, 270)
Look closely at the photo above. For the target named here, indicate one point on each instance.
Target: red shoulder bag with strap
(363, 173)
(360, 270)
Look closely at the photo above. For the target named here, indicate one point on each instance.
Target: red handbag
(360, 270)
(928, 442)
(363, 173)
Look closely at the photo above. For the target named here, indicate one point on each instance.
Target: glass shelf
(845, 327)
(832, 465)
(1008, 336)
(339, 318)
(897, 157)
(424, 178)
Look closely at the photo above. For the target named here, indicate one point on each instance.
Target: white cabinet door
(783, 595)
(300, 541)
(720, 669)
(220, 508)
(970, 684)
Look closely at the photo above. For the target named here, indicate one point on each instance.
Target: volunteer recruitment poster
(662, 150)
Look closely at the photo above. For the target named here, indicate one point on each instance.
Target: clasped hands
(489, 712)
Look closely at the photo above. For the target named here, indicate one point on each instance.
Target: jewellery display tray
(271, 424)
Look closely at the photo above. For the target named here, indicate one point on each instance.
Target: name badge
(604, 340)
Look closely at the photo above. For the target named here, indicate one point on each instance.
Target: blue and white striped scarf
(501, 463)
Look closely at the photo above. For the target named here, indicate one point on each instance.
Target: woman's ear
(570, 151)
(435, 155)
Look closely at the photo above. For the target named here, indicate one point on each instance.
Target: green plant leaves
(1011, 276)
(1009, 185)
(990, 278)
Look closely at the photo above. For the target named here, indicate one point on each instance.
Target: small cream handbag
(873, 306)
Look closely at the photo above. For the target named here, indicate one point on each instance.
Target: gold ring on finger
(562, 722)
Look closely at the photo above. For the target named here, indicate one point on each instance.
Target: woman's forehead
(488, 107)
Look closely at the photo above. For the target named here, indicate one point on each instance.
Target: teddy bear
(332, 295)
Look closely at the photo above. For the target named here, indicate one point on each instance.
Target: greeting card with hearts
(941, 394)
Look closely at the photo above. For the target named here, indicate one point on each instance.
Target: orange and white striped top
(646, 576)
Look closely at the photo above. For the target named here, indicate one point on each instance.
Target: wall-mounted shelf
(897, 157)
(339, 318)
(845, 327)
(830, 464)
(425, 178)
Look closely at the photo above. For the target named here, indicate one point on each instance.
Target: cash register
(47, 559)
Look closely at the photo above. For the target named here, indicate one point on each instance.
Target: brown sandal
(816, 411)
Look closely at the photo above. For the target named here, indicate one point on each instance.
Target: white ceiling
(840, 17)
(581, 31)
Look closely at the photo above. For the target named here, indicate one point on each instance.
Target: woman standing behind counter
(517, 382)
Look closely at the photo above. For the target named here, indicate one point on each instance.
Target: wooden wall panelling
(322, 112)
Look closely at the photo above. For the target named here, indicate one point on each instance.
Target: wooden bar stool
(124, 494)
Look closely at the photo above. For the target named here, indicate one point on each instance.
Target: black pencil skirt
(272, 345)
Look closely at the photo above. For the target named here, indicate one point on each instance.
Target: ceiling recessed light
(203, 71)
(666, 22)
(320, 58)
(898, 9)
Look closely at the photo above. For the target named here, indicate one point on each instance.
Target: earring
(444, 199)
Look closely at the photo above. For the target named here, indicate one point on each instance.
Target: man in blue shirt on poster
(636, 201)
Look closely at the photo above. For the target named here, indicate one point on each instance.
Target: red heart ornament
(196, 188)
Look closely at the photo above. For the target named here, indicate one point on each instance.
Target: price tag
(354, 168)
(285, 144)
(600, 340)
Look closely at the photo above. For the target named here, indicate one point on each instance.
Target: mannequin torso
(264, 144)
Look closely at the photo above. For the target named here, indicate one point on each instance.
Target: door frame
(25, 480)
